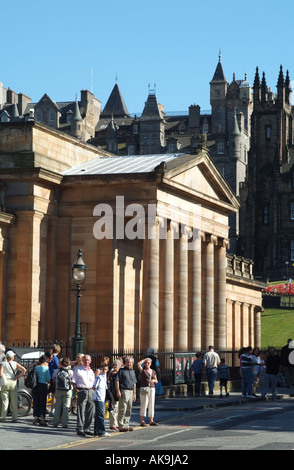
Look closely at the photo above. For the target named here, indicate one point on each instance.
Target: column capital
(209, 238)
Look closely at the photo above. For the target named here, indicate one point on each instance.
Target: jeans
(270, 380)
(211, 378)
(198, 377)
(99, 423)
(247, 380)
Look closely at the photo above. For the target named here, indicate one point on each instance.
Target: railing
(175, 367)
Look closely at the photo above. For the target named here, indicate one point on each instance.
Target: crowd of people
(74, 386)
(262, 370)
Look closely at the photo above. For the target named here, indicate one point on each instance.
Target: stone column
(246, 340)
(30, 261)
(150, 311)
(257, 327)
(181, 313)
(194, 255)
(220, 295)
(166, 319)
(208, 290)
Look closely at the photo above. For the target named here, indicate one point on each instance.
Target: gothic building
(227, 130)
(76, 118)
(267, 210)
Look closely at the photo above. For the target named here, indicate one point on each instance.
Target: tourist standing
(82, 381)
(125, 384)
(211, 362)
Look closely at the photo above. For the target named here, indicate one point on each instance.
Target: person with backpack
(63, 392)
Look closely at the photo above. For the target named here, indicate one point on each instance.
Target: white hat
(10, 354)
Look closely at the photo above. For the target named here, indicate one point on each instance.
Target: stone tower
(151, 122)
(267, 217)
(231, 108)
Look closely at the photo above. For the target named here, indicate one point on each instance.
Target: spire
(281, 81)
(256, 88)
(264, 88)
(281, 95)
(236, 129)
(77, 114)
(256, 82)
(288, 87)
(219, 73)
(115, 105)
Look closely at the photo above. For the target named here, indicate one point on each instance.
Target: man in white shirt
(82, 381)
(211, 361)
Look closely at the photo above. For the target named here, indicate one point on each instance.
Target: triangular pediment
(199, 175)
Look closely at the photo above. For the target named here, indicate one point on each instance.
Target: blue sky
(61, 47)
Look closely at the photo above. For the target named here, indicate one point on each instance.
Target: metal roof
(121, 164)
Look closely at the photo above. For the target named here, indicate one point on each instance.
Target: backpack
(31, 379)
(63, 380)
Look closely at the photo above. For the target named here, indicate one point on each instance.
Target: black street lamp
(79, 274)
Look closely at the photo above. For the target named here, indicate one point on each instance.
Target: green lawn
(277, 325)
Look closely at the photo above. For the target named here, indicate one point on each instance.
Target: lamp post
(79, 274)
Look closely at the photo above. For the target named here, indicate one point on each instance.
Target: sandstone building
(145, 291)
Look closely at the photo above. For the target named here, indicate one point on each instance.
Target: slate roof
(115, 105)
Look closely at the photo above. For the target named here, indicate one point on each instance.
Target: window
(51, 117)
(221, 148)
(131, 150)
(292, 211)
(39, 117)
(268, 130)
(292, 250)
(265, 215)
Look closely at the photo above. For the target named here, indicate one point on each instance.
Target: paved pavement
(24, 436)
(205, 402)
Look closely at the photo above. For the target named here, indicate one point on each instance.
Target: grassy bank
(277, 325)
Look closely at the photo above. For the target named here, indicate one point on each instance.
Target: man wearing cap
(211, 361)
(12, 371)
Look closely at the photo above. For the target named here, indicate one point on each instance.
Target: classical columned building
(153, 230)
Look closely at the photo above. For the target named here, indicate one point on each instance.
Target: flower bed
(280, 289)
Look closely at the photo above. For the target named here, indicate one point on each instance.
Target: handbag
(144, 390)
(2, 380)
